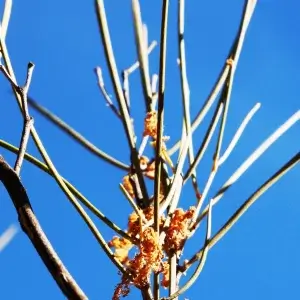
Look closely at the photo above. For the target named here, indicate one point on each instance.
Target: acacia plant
(149, 253)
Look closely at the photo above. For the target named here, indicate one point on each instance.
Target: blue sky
(259, 258)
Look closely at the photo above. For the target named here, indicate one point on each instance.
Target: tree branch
(30, 225)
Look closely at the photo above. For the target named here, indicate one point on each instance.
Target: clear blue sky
(259, 258)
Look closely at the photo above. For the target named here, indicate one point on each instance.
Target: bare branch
(141, 45)
(248, 162)
(76, 135)
(28, 121)
(105, 94)
(126, 120)
(233, 54)
(238, 134)
(32, 228)
(73, 190)
(5, 18)
(243, 208)
(160, 124)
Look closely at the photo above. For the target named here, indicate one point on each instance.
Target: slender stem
(202, 262)
(160, 122)
(141, 45)
(225, 98)
(184, 80)
(126, 120)
(205, 108)
(76, 135)
(173, 286)
(248, 11)
(132, 203)
(177, 181)
(136, 65)
(104, 92)
(112, 66)
(243, 208)
(185, 90)
(54, 171)
(248, 162)
(209, 133)
(153, 105)
(28, 121)
(73, 190)
(5, 19)
(126, 73)
(238, 134)
(233, 54)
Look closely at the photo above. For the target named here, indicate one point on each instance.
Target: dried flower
(122, 289)
(178, 230)
(122, 247)
(166, 274)
(150, 124)
(148, 259)
(128, 186)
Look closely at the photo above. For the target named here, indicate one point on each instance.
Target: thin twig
(238, 134)
(5, 18)
(132, 203)
(225, 98)
(185, 90)
(232, 61)
(141, 45)
(76, 135)
(177, 180)
(200, 153)
(73, 190)
(160, 124)
(110, 58)
(28, 121)
(243, 208)
(202, 262)
(126, 73)
(153, 105)
(126, 120)
(105, 94)
(54, 171)
(233, 54)
(205, 108)
(248, 162)
(184, 80)
(209, 133)
(217, 164)
(136, 65)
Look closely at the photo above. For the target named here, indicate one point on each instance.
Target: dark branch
(32, 228)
